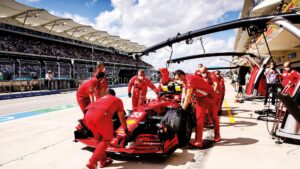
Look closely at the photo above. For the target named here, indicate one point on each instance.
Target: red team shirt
(199, 86)
(290, 77)
(210, 78)
(221, 84)
(100, 113)
(140, 85)
(92, 86)
(108, 104)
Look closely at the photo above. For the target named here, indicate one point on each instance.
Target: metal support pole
(202, 44)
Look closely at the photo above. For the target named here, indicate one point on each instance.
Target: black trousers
(271, 88)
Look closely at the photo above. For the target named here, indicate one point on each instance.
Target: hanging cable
(256, 48)
(167, 64)
(268, 47)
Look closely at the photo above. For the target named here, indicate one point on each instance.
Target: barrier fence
(34, 85)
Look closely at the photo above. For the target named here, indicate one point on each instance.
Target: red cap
(164, 72)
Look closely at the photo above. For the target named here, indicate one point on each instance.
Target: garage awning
(40, 19)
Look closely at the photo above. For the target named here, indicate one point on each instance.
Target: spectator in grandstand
(32, 45)
(1, 76)
(48, 78)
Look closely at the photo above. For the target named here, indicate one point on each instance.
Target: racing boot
(103, 163)
(98, 155)
(217, 137)
(216, 122)
(198, 139)
(91, 165)
(196, 143)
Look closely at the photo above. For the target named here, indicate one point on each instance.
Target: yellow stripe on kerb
(230, 115)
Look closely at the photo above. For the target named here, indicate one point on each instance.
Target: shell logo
(131, 121)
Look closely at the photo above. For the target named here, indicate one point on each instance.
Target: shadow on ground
(237, 141)
(238, 124)
(125, 161)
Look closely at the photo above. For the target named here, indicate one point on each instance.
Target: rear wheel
(181, 123)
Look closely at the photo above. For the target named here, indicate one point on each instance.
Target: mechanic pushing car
(99, 119)
(92, 89)
(205, 100)
(165, 79)
(290, 78)
(140, 85)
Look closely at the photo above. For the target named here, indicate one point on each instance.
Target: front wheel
(181, 123)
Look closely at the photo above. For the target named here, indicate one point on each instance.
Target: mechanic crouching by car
(140, 85)
(165, 79)
(205, 99)
(99, 120)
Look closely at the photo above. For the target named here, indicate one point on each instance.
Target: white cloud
(75, 17)
(149, 22)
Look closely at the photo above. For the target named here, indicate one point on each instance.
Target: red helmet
(164, 72)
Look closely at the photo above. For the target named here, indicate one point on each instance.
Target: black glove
(181, 110)
(129, 95)
(126, 131)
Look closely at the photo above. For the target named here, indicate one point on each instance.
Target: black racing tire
(181, 123)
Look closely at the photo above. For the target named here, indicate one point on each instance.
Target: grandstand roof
(41, 20)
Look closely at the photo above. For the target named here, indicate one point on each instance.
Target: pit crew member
(99, 119)
(140, 85)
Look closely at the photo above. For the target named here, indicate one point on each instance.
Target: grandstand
(33, 41)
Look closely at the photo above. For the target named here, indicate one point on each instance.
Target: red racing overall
(99, 119)
(90, 87)
(139, 90)
(221, 90)
(205, 100)
(212, 115)
(165, 79)
(290, 80)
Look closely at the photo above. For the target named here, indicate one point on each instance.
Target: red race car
(158, 128)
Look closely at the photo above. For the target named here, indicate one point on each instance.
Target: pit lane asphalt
(46, 140)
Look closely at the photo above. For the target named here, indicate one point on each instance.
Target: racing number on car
(136, 114)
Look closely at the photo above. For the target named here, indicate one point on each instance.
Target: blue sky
(87, 8)
(151, 21)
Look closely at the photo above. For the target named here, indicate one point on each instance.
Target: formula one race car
(159, 127)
